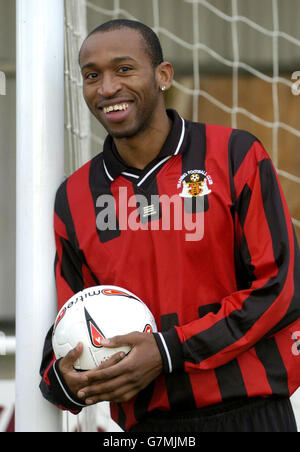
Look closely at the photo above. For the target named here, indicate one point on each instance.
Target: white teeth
(115, 108)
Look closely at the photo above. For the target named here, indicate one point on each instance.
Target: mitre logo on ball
(97, 313)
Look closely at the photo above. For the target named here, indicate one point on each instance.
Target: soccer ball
(95, 313)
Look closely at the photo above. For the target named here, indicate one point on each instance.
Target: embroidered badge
(194, 183)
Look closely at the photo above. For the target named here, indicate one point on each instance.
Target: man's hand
(119, 380)
(77, 380)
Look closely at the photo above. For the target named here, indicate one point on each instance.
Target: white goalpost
(56, 135)
(40, 169)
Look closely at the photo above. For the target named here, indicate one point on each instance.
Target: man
(226, 299)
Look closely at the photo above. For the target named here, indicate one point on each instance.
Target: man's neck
(140, 150)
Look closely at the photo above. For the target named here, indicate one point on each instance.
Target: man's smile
(116, 111)
(115, 107)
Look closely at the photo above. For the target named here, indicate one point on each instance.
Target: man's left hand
(121, 381)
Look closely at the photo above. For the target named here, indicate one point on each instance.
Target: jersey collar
(114, 165)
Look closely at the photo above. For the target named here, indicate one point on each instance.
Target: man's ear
(164, 75)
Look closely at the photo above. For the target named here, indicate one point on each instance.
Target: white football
(95, 313)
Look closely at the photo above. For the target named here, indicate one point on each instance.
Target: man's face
(119, 81)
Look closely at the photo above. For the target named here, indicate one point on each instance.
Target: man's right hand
(74, 379)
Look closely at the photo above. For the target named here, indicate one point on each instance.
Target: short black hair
(151, 41)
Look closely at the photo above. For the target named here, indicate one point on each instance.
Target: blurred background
(237, 63)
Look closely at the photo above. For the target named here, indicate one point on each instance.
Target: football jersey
(204, 237)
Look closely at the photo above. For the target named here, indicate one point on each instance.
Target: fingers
(121, 395)
(107, 370)
(93, 375)
(115, 390)
(114, 359)
(68, 361)
(117, 341)
(73, 379)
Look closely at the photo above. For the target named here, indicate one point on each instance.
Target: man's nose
(109, 86)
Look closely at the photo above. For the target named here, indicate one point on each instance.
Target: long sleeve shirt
(204, 237)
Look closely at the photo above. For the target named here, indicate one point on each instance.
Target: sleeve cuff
(170, 349)
(57, 391)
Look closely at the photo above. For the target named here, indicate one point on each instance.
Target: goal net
(237, 63)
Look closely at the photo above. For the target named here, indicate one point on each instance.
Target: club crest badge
(194, 183)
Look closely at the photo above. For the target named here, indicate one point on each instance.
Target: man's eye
(124, 69)
(91, 76)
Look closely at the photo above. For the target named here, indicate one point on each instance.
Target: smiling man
(227, 305)
(124, 91)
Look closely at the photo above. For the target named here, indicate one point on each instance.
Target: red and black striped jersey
(204, 237)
